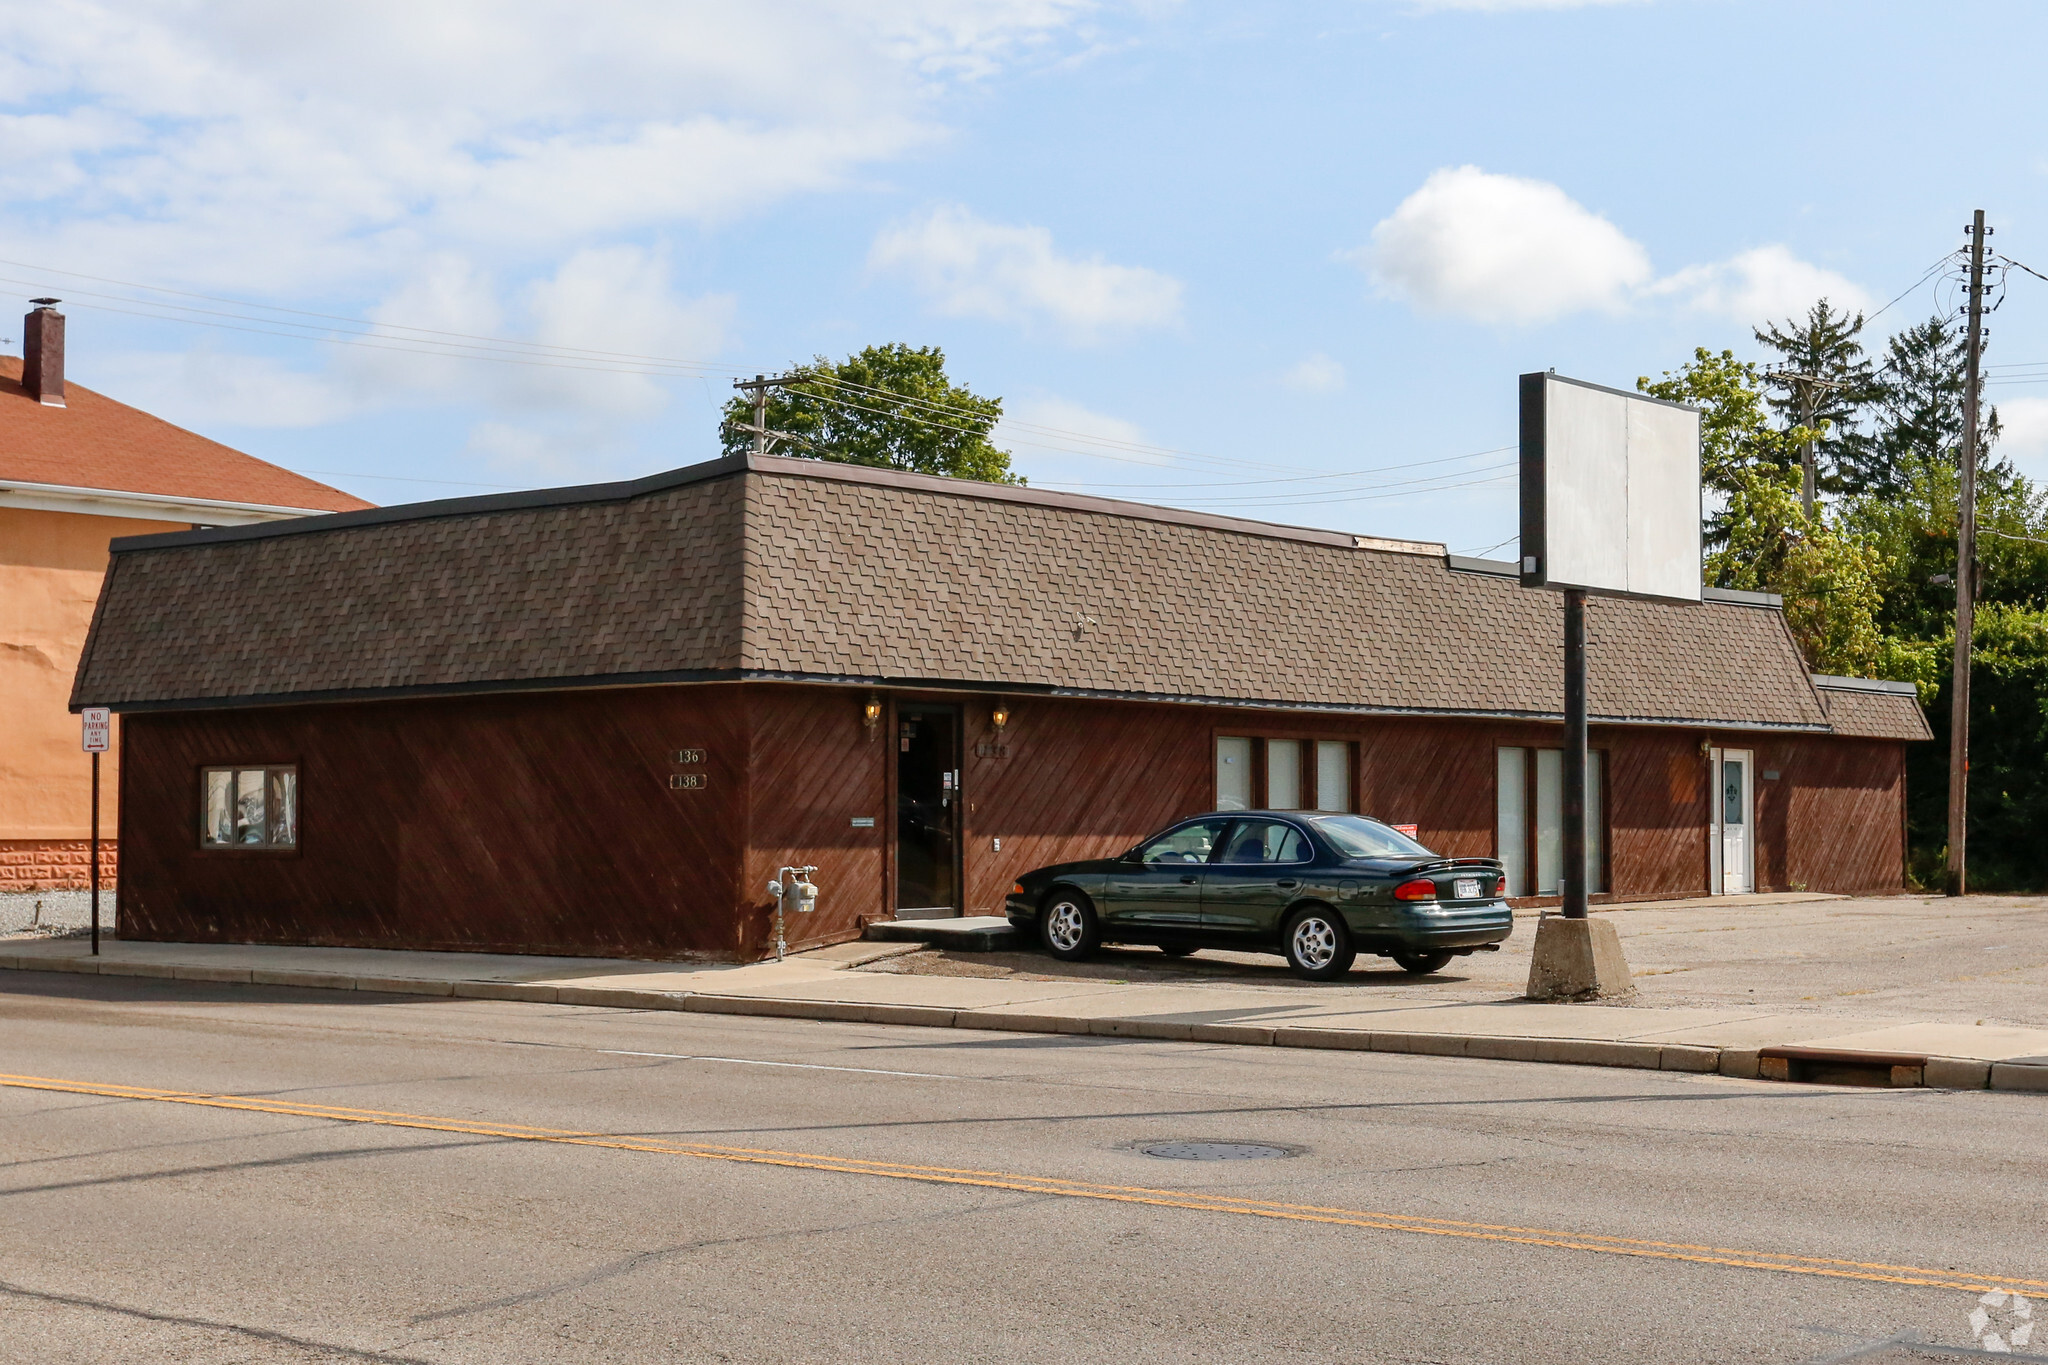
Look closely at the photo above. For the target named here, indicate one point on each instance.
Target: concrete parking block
(1956, 1073)
(1674, 1057)
(1741, 1062)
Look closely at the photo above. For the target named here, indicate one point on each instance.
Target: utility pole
(1966, 578)
(758, 388)
(1805, 386)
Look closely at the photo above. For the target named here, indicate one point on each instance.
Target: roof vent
(42, 368)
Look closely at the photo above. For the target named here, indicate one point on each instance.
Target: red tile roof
(95, 442)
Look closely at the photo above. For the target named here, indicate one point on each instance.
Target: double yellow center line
(1826, 1267)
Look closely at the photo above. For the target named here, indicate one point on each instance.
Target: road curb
(2028, 1076)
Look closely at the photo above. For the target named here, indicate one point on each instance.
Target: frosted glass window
(1283, 774)
(1596, 823)
(1333, 775)
(1512, 809)
(1549, 821)
(249, 807)
(1233, 773)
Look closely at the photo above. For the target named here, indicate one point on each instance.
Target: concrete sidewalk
(817, 985)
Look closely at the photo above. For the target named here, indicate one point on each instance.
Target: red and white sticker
(1409, 830)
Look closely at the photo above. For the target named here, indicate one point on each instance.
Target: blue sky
(1284, 262)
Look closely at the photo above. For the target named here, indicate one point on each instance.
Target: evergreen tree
(1825, 345)
(1918, 402)
(888, 406)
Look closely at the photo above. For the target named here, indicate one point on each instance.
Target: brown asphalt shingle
(794, 567)
(1874, 715)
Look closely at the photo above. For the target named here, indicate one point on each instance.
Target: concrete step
(968, 933)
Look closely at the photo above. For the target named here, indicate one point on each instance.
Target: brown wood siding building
(598, 722)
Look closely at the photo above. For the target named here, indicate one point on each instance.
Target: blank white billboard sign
(1610, 491)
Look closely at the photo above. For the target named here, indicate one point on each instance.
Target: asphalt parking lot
(1957, 961)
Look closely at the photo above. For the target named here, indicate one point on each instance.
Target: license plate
(1465, 889)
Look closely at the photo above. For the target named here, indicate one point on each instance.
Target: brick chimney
(42, 368)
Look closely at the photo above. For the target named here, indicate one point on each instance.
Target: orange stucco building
(76, 470)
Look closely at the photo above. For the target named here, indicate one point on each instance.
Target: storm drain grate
(1214, 1151)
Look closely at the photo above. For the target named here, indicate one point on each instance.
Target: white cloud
(1503, 249)
(1049, 420)
(969, 267)
(1761, 285)
(1315, 373)
(207, 387)
(243, 143)
(1499, 248)
(2023, 434)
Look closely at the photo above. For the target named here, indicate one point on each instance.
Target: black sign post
(1573, 878)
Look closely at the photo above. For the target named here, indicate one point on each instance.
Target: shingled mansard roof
(773, 568)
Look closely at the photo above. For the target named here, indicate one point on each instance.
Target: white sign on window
(96, 729)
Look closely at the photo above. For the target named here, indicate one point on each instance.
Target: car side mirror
(1129, 855)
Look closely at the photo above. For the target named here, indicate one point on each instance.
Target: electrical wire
(338, 329)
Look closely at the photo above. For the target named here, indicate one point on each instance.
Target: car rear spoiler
(1450, 864)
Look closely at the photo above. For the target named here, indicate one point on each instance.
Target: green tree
(1918, 405)
(2008, 757)
(1825, 346)
(1737, 439)
(890, 406)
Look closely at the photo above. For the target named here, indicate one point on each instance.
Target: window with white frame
(1283, 774)
(250, 807)
(1529, 814)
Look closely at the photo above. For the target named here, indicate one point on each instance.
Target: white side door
(1734, 836)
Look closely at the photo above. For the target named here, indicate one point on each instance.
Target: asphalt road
(516, 1182)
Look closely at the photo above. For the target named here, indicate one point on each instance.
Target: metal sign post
(1610, 505)
(96, 736)
(1573, 879)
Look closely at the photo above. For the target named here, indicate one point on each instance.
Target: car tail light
(1421, 889)
(1501, 889)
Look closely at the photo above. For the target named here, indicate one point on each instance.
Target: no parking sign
(97, 729)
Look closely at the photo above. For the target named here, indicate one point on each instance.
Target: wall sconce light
(871, 714)
(1000, 716)
(1706, 746)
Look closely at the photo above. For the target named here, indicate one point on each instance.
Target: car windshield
(1357, 837)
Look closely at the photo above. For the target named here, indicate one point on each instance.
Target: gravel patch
(53, 914)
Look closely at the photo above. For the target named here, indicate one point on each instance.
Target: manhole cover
(1214, 1151)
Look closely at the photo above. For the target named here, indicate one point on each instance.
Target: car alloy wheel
(1067, 926)
(1318, 945)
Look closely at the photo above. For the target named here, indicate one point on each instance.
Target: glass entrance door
(1733, 842)
(927, 811)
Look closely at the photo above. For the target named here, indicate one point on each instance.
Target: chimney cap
(47, 303)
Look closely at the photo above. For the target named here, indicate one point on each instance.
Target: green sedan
(1318, 889)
